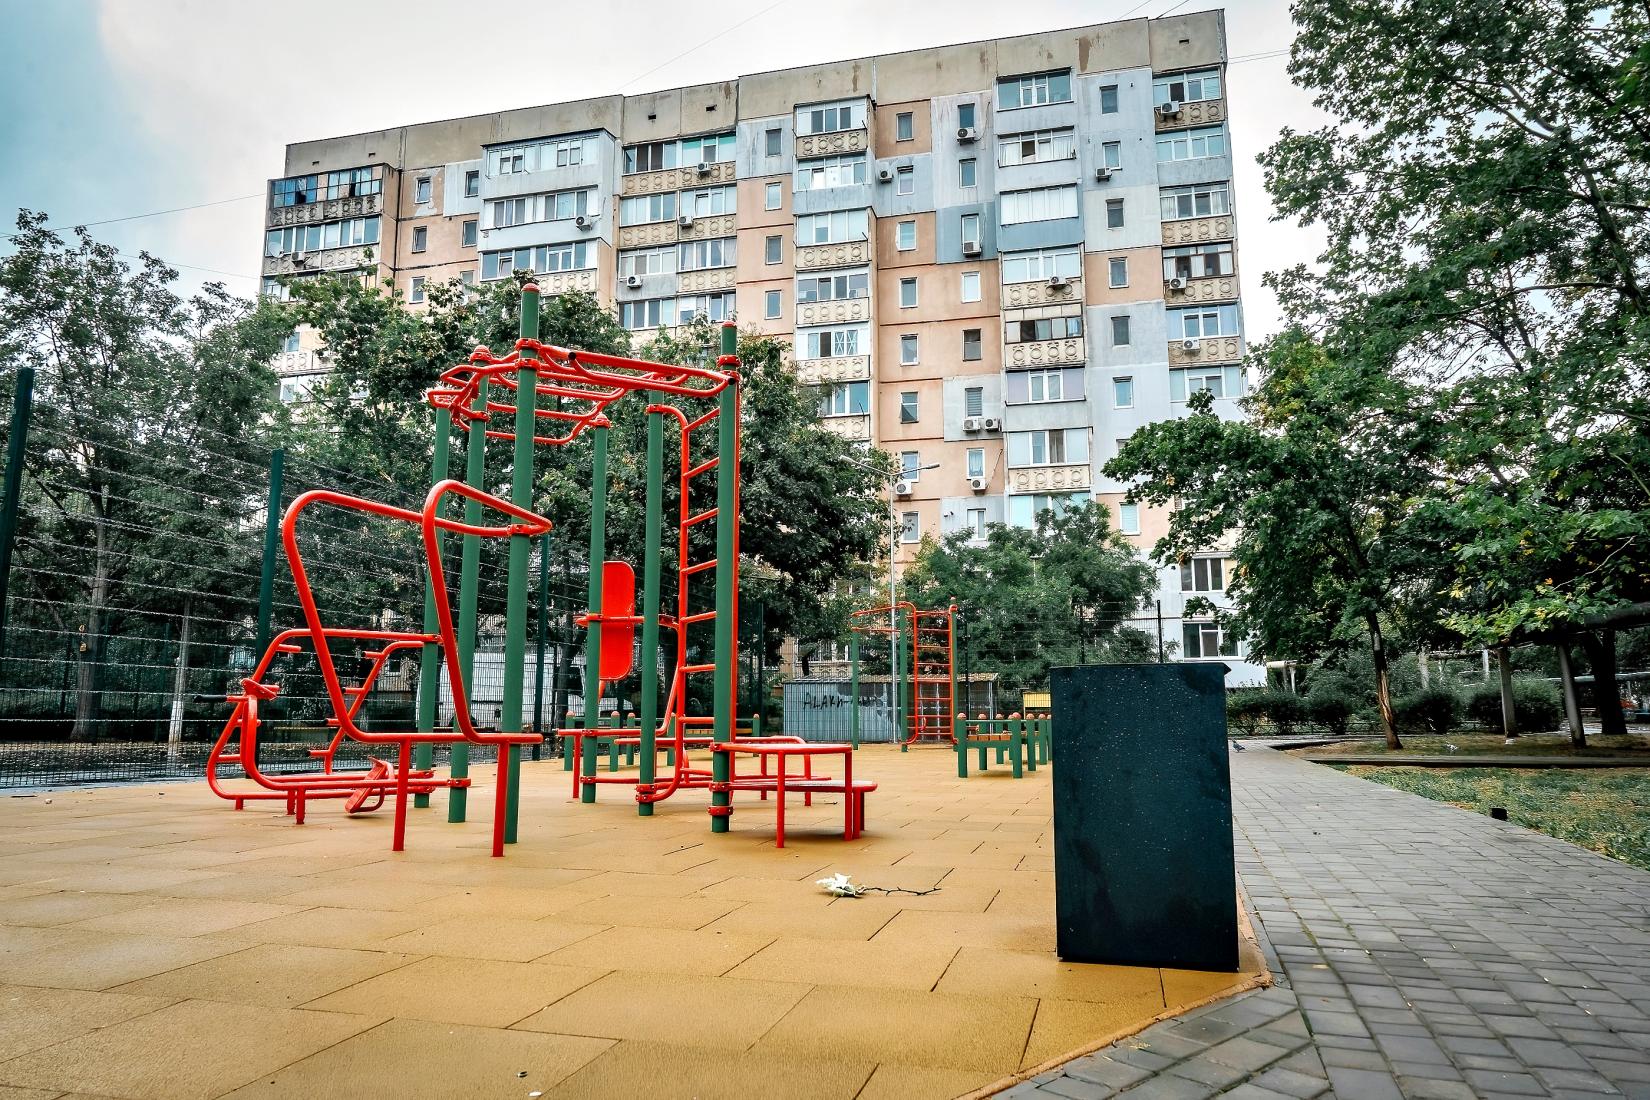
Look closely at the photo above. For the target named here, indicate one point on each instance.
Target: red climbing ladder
(929, 715)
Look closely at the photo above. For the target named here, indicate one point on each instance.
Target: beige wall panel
(752, 250)
(887, 234)
(604, 113)
(944, 70)
(886, 129)
(1188, 41)
(1145, 275)
(753, 197)
(779, 92)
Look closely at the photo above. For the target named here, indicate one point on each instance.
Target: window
(1187, 87)
(976, 520)
(771, 142)
(1063, 327)
(1200, 322)
(905, 181)
(1203, 575)
(910, 527)
(1206, 640)
(910, 466)
(1029, 91)
(421, 189)
(1198, 261)
(468, 233)
(573, 256)
(1108, 99)
(541, 155)
(647, 209)
(650, 157)
(417, 294)
(773, 197)
(1128, 519)
(968, 172)
(904, 126)
(971, 286)
(704, 255)
(1043, 385)
(467, 276)
(648, 261)
(1114, 213)
(842, 170)
(905, 238)
(421, 238)
(833, 288)
(976, 459)
(965, 115)
(971, 230)
(1221, 381)
(1042, 264)
(1122, 393)
(836, 227)
(773, 249)
(907, 293)
(908, 407)
(1036, 146)
(1198, 200)
(845, 399)
(974, 405)
(1206, 141)
(718, 306)
(908, 349)
(1050, 447)
(314, 238)
(1118, 269)
(472, 183)
(708, 202)
(1039, 204)
(1111, 154)
(293, 343)
(708, 150)
(827, 118)
(771, 303)
(1120, 331)
(825, 343)
(648, 314)
(1024, 508)
(971, 348)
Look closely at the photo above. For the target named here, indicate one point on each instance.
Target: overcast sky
(114, 108)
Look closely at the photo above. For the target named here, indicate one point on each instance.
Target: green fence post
(727, 520)
(429, 661)
(648, 704)
(272, 541)
(16, 448)
(521, 548)
(853, 688)
(469, 577)
(593, 635)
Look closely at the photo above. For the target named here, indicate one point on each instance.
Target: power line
(139, 217)
(692, 49)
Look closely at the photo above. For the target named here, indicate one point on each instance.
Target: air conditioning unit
(971, 248)
(633, 281)
(1102, 174)
(1191, 345)
(706, 168)
(967, 135)
(1178, 283)
(1058, 282)
(685, 221)
(902, 488)
(972, 423)
(299, 259)
(584, 221)
(1169, 109)
(885, 175)
(977, 484)
(991, 424)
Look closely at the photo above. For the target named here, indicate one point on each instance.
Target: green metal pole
(429, 662)
(898, 674)
(727, 519)
(648, 704)
(951, 668)
(469, 576)
(521, 549)
(761, 654)
(853, 689)
(272, 540)
(542, 638)
(593, 637)
(16, 442)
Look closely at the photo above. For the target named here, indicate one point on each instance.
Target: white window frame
(901, 237)
(1034, 90)
(1185, 381)
(853, 284)
(1111, 155)
(833, 342)
(1193, 261)
(1200, 86)
(1195, 143)
(905, 180)
(415, 292)
(908, 283)
(1046, 145)
(909, 341)
(840, 226)
(1037, 204)
(830, 118)
(1204, 322)
(970, 288)
(1204, 573)
(773, 304)
(773, 196)
(836, 170)
(1038, 265)
(1116, 265)
(647, 209)
(658, 260)
(1122, 386)
(910, 527)
(974, 460)
(1128, 519)
(1215, 197)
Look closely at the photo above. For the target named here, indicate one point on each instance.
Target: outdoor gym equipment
(1022, 743)
(922, 662)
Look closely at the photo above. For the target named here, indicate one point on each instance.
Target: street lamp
(893, 512)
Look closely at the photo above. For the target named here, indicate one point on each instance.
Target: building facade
(996, 259)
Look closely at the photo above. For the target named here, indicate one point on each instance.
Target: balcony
(814, 257)
(333, 259)
(838, 368)
(1223, 288)
(640, 236)
(676, 179)
(1049, 479)
(1198, 230)
(713, 225)
(848, 427)
(839, 141)
(717, 278)
(552, 283)
(1040, 293)
(1206, 112)
(834, 312)
(1046, 353)
(304, 361)
(328, 210)
(1210, 349)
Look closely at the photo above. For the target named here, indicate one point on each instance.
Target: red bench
(782, 783)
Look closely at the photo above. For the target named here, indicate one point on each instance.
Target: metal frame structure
(923, 663)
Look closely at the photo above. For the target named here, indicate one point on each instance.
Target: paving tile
(80, 959)
(1063, 1027)
(672, 1072)
(503, 938)
(880, 964)
(269, 975)
(725, 1012)
(31, 1018)
(482, 992)
(662, 950)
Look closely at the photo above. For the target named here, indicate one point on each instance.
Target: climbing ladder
(929, 718)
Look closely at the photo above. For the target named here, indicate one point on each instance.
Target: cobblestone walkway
(1420, 950)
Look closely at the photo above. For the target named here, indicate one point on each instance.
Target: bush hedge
(1331, 708)
(1537, 706)
(1430, 710)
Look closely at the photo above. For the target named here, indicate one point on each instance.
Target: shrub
(1245, 708)
(1430, 710)
(1285, 711)
(1331, 708)
(1536, 706)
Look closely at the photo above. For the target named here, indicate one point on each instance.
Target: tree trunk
(90, 653)
(1383, 686)
(180, 679)
(1601, 655)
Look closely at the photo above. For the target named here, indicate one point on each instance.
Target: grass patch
(1491, 744)
(1605, 811)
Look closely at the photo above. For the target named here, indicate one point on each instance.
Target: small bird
(1237, 747)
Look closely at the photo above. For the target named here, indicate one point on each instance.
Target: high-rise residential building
(997, 259)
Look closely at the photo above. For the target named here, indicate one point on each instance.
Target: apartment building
(996, 259)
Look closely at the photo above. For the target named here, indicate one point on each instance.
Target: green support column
(593, 634)
(521, 550)
(429, 661)
(727, 519)
(272, 542)
(897, 671)
(951, 668)
(469, 576)
(542, 638)
(648, 704)
(853, 689)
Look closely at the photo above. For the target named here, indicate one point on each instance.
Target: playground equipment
(1021, 742)
(476, 397)
(922, 659)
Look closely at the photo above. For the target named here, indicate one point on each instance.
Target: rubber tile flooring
(154, 943)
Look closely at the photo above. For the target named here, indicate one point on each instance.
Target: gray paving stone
(1210, 1072)
(1290, 1083)
(1363, 1084)
(1487, 1082)
(1427, 1088)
